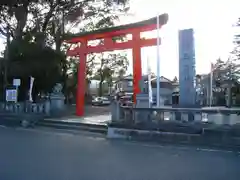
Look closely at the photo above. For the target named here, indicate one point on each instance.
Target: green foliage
(226, 72)
(37, 28)
(29, 59)
(51, 18)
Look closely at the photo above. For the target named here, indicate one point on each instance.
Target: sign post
(30, 88)
(16, 83)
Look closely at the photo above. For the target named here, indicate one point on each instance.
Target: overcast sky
(211, 20)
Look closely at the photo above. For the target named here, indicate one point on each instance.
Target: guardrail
(218, 116)
(216, 126)
(25, 107)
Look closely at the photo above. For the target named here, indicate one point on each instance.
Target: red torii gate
(107, 35)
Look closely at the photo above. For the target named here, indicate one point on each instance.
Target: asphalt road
(44, 155)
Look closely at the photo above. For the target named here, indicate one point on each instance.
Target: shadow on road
(89, 110)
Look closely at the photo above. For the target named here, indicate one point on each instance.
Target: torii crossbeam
(107, 35)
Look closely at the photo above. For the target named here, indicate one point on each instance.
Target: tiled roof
(145, 78)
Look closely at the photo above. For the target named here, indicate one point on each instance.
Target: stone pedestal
(142, 102)
(57, 102)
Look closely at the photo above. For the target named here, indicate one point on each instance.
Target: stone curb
(228, 142)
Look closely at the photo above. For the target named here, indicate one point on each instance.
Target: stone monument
(187, 72)
(57, 99)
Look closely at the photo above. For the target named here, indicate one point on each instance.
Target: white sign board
(11, 95)
(16, 82)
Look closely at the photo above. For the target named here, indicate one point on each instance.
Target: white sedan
(98, 101)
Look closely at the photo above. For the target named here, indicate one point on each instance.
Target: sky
(212, 22)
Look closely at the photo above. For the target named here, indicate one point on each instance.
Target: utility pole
(158, 62)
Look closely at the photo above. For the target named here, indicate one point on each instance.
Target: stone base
(142, 101)
(57, 103)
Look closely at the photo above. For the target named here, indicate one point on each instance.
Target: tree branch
(49, 15)
(2, 32)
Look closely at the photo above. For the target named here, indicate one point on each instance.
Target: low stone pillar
(234, 119)
(191, 116)
(184, 116)
(177, 116)
(216, 118)
(47, 107)
(28, 106)
(115, 111)
(198, 116)
(226, 118)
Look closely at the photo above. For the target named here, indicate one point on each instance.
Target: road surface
(45, 155)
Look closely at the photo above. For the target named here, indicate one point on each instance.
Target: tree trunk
(229, 97)
(58, 40)
(21, 13)
(100, 88)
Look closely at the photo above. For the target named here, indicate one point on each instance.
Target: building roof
(145, 78)
(162, 79)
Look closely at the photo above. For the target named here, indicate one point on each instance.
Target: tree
(45, 23)
(29, 59)
(47, 20)
(109, 66)
(226, 75)
(73, 70)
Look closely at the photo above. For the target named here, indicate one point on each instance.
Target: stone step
(98, 128)
(163, 127)
(74, 123)
(15, 120)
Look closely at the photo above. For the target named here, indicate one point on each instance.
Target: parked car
(100, 101)
(126, 100)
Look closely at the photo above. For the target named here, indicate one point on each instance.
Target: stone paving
(93, 115)
(96, 119)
